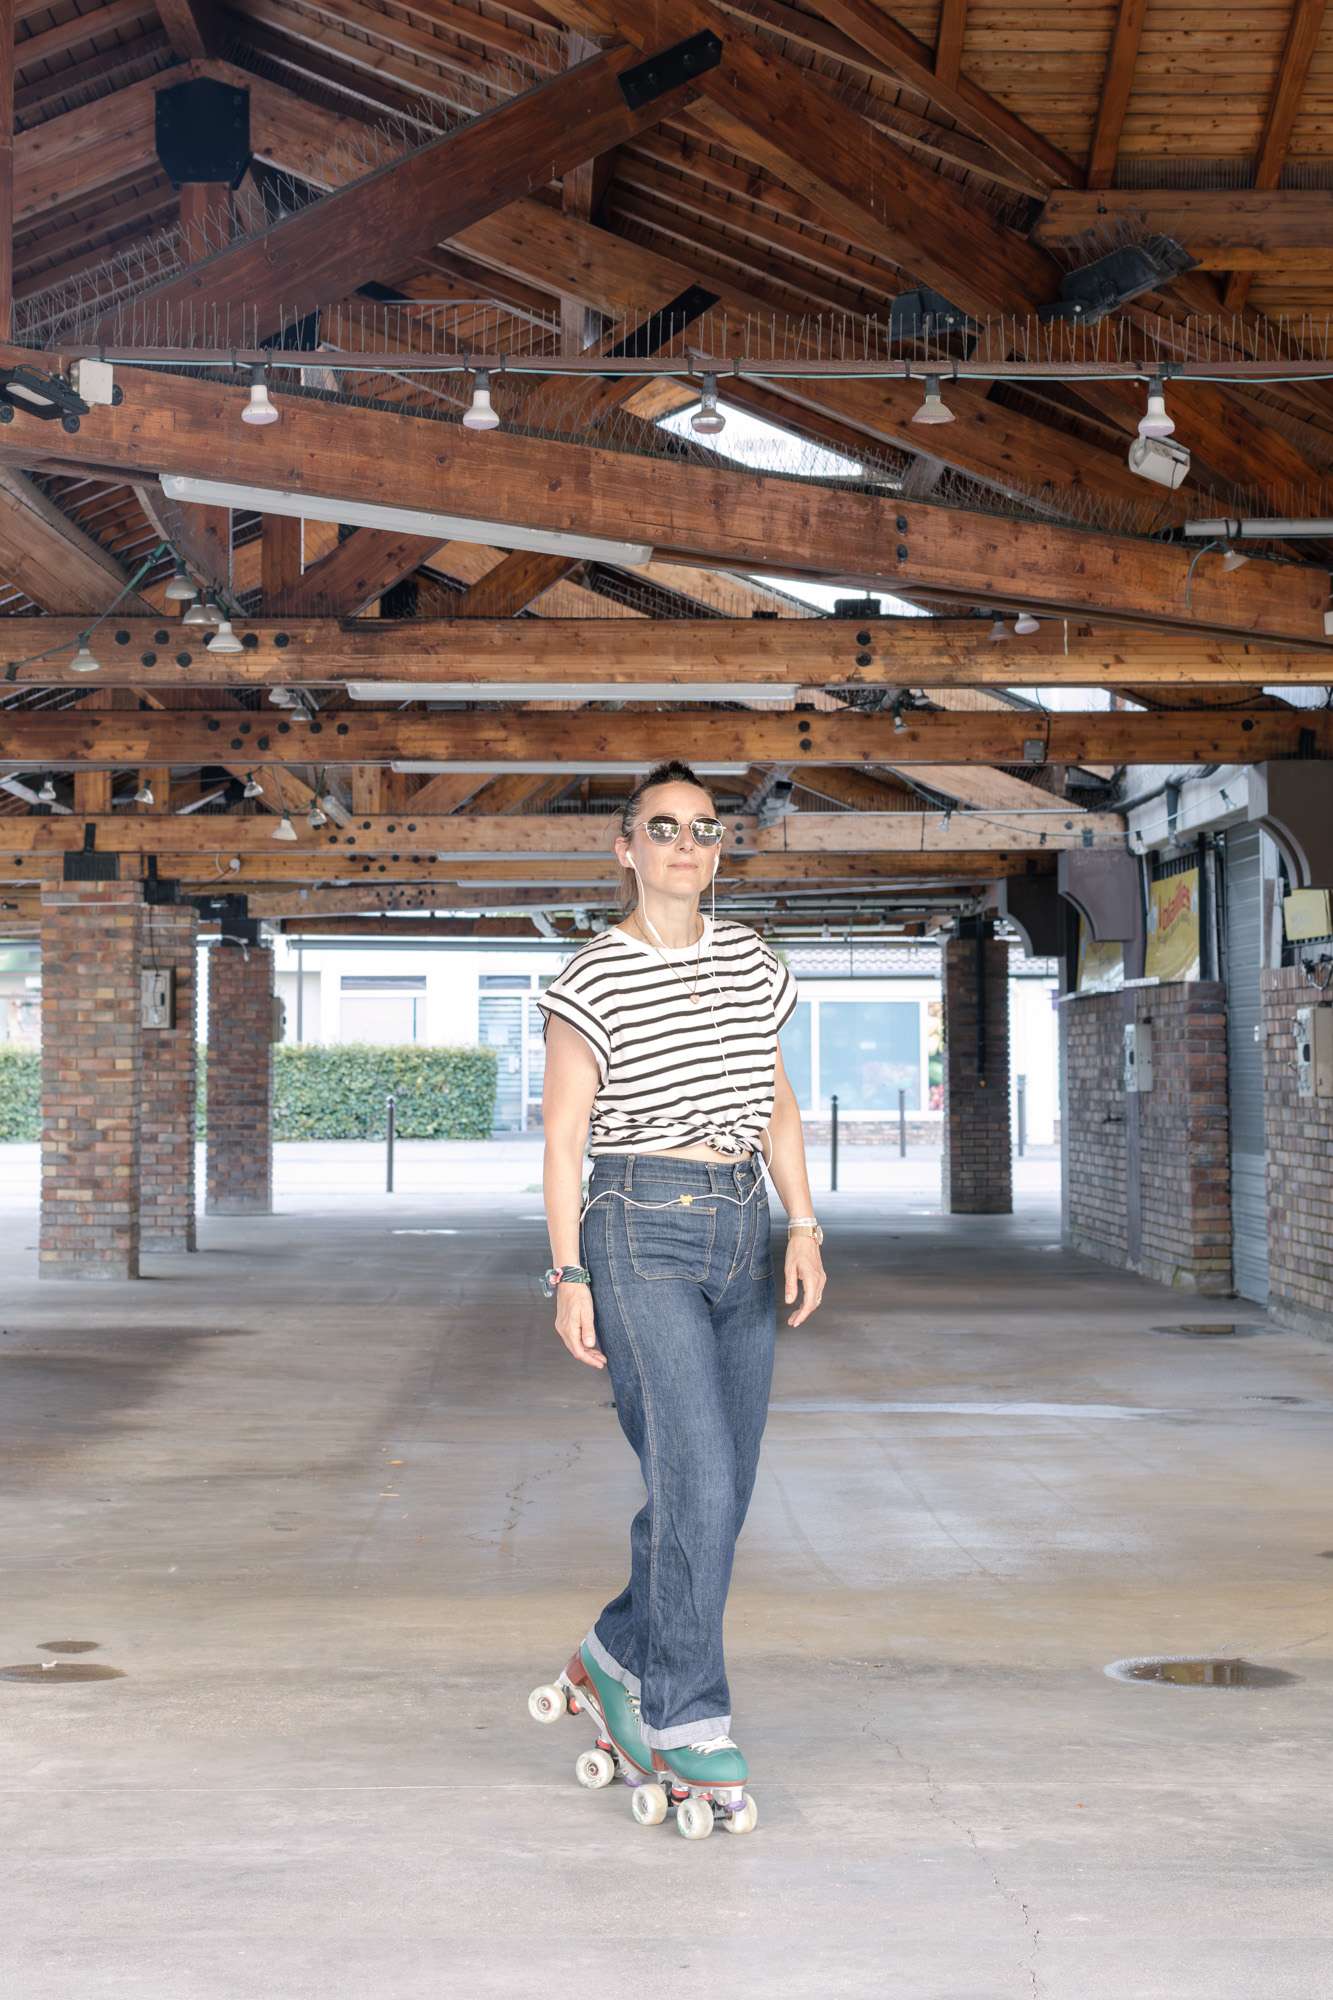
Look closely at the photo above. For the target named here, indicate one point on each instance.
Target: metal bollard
(1022, 1116)
(833, 1143)
(389, 1126)
(902, 1124)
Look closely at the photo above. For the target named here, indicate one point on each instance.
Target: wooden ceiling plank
(56, 564)
(1224, 229)
(1293, 71)
(193, 27)
(1117, 83)
(111, 18)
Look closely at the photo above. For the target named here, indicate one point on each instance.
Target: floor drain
(60, 1671)
(1200, 1673)
(1204, 1329)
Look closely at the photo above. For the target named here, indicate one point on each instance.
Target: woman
(662, 1051)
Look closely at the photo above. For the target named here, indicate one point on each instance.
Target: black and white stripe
(675, 1072)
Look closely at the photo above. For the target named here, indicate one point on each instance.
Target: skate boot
(705, 1783)
(620, 1749)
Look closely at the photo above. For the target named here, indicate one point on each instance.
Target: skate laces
(714, 1743)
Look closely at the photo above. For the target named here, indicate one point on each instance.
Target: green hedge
(20, 1092)
(322, 1091)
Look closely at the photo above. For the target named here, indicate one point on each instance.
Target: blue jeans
(683, 1299)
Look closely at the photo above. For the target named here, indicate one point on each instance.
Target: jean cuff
(682, 1734)
(609, 1664)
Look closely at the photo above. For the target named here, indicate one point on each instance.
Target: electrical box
(1314, 1050)
(278, 1024)
(157, 998)
(95, 381)
(1307, 913)
(1138, 1055)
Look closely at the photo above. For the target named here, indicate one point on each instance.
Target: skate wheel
(649, 1805)
(695, 1818)
(744, 1821)
(594, 1769)
(547, 1704)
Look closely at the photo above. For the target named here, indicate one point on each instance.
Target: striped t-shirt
(677, 1072)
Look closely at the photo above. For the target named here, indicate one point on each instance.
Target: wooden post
(205, 212)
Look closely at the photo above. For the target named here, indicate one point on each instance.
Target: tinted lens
(662, 828)
(706, 831)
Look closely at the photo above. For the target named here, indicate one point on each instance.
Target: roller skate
(704, 1782)
(620, 1749)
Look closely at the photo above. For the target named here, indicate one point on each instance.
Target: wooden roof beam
(501, 735)
(381, 222)
(1293, 70)
(1286, 229)
(687, 511)
(1117, 83)
(339, 850)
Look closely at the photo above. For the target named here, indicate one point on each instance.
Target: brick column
(240, 1080)
(1300, 1144)
(92, 1079)
(976, 1163)
(166, 1192)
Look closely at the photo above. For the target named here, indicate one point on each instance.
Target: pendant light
(259, 409)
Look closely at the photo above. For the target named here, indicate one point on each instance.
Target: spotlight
(144, 795)
(999, 630)
(253, 788)
(284, 830)
(1025, 624)
(224, 640)
(85, 661)
(259, 410)
(1155, 423)
(934, 409)
(198, 614)
(318, 817)
(480, 414)
(708, 420)
(182, 588)
(1234, 558)
(898, 722)
(281, 697)
(47, 795)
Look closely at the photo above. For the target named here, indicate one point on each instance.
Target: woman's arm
(804, 1265)
(568, 1090)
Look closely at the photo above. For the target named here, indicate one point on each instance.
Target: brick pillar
(240, 1080)
(976, 1163)
(92, 1080)
(166, 1192)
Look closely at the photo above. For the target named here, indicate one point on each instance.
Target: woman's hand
(804, 1268)
(574, 1323)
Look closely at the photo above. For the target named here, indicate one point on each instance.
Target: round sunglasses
(664, 828)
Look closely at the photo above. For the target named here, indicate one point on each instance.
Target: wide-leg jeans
(682, 1285)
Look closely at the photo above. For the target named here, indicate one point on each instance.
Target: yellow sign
(1173, 927)
(1101, 967)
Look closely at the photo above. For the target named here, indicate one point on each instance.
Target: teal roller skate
(620, 1749)
(705, 1783)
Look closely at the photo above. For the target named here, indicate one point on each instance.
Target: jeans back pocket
(674, 1240)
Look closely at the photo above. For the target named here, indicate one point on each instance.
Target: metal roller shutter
(1244, 957)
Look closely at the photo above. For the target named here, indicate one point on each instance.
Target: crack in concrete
(1011, 1896)
(520, 1501)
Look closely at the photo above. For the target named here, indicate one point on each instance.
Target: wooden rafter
(949, 41)
(1303, 30)
(1117, 83)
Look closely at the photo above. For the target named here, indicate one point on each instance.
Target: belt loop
(629, 1172)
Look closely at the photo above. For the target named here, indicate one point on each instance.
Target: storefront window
(869, 1050)
(795, 1039)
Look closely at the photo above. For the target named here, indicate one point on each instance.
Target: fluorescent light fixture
(570, 691)
(404, 520)
(550, 767)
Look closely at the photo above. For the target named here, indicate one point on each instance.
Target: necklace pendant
(695, 998)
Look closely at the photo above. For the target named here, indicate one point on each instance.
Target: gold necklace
(692, 994)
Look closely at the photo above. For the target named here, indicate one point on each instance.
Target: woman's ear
(621, 850)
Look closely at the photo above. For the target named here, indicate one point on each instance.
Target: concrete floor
(333, 1499)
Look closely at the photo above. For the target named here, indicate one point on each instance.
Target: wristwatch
(564, 1274)
(807, 1225)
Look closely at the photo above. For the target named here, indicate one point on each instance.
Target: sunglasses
(663, 829)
